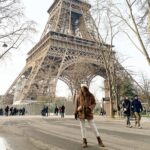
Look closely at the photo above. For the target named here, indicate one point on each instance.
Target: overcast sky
(37, 10)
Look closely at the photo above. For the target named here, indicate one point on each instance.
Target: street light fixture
(5, 45)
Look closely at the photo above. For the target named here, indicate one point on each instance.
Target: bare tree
(106, 30)
(145, 7)
(122, 16)
(79, 72)
(130, 13)
(145, 83)
(14, 29)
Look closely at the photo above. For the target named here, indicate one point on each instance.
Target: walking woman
(127, 111)
(84, 105)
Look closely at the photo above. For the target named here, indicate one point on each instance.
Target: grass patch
(147, 116)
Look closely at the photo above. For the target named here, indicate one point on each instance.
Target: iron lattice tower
(68, 41)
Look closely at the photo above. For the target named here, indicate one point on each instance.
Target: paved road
(52, 133)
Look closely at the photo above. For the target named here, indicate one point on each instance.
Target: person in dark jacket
(127, 110)
(62, 111)
(7, 110)
(46, 111)
(23, 111)
(1, 111)
(137, 109)
(11, 111)
(56, 110)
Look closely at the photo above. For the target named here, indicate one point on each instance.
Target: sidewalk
(143, 119)
(96, 117)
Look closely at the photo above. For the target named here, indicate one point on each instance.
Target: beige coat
(86, 110)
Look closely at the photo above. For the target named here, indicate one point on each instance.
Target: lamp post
(4, 45)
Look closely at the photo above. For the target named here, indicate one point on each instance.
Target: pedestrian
(11, 111)
(127, 111)
(59, 110)
(62, 111)
(46, 111)
(43, 111)
(84, 105)
(14, 112)
(23, 111)
(56, 110)
(7, 110)
(20, 111)
(1, 111)
(137, 109)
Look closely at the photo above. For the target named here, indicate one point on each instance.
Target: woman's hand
(79, 108)
(88, 110)
(76, 116)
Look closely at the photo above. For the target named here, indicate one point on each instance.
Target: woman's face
(136, 97)
(82, 89)
(126, 97)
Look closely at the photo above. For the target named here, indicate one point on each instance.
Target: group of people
(59, 110)
(132, 108)
(85, 103)
(12, 111)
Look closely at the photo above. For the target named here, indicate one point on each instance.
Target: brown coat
(86, 111)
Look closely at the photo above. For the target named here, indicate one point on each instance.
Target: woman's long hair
(84, 94)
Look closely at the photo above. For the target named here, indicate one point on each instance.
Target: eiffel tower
(69, 40)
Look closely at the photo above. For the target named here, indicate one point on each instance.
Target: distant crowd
(12, 111)
(57, 110)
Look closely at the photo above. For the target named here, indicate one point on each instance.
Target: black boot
(100, 142)
(84, 145)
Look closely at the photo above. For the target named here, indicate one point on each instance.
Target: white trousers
(91, 124)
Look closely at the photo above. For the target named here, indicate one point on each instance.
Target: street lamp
(4, 51)
(5, 45)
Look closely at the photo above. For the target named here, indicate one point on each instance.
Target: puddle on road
(3, 144)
